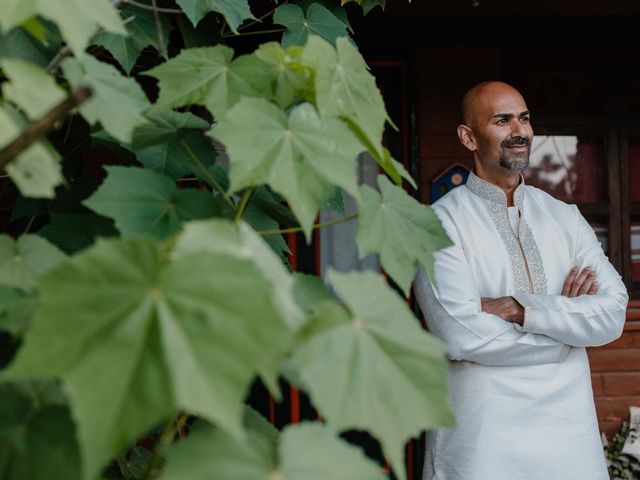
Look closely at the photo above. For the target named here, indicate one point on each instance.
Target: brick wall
(615, 374)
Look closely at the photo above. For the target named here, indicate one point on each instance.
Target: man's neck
(507, 180)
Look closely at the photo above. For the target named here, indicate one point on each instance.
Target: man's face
(502, 129)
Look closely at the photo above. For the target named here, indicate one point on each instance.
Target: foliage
(156, 291)
(621, 466)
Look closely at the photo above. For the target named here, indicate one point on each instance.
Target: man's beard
(516, 162)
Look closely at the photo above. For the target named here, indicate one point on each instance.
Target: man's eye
(524, 119)
(502, 121)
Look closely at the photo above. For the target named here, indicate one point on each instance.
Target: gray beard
(516, 164)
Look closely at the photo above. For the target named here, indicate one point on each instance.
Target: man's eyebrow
(511, 115)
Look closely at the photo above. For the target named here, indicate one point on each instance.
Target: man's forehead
(503, 102)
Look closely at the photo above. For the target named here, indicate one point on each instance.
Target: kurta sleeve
(587, 320)
(453, 313)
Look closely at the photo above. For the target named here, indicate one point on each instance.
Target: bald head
(483, 97)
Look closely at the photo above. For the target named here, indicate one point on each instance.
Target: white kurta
(521, 394)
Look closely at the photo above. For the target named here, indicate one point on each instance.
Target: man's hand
(584, 283)
(505, 307)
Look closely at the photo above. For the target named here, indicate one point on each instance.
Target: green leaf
(141, 201)
(36, 171)
(30, 87)
(301, 156)
(19, 44)
(338, 11)
(288, 77)
(336, 202)
(317, 21)
(118, 101)
(260, 221)
(235, 12)
(215, 80)
(142, 33)
(368, 5)
(37, 437)
(384, 374)
(165, 335)
(345, 88)
(303, 452)
(169, 141)
(404, 232)
(24, 260)
(309, 291)
(78, 20)
(36, 29)
(395, 169)
(17, 307)
(72, 232)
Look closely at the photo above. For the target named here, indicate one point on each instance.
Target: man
(517, 298)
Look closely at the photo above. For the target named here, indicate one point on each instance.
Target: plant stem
(212, 180)
(154, 8)
(266, 233)
(257, 20)
(259, 32)
(40, 127)
(159, 31)
(166, 438)
(246, 195)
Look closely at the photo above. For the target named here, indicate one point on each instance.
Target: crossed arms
(525, 329)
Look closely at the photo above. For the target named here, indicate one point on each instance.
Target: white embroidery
(529, 255)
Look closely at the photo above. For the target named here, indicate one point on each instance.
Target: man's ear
(465, 134)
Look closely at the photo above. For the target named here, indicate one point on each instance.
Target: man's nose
(520, 129)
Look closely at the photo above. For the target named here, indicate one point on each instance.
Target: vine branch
(328, 223)
(242, 204)
(159, 32)
(42, 126)
(212, 180)
(154, 8)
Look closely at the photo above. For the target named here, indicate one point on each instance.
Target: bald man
(517, 298)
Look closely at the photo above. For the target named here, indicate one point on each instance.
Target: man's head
(496, 127)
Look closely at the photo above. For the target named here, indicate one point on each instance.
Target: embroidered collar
(493, 193)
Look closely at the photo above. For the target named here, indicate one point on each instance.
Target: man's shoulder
(544, 198)
(452, 199)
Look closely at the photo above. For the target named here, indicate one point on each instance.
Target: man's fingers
(588, 283)
(566, 287)
(594, 288)
(577, 283)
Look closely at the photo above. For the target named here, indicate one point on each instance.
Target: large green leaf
(30, 87)
(215, 80)
(309, 291)
(303, 452)
(17, 307)
(170, 141)
(19, 44)
(78, 20)
(234, 11)
(118, 101)
(300, 156)
(404, 232)
(36, 171)
(165, 335)
(371, 366)
(74, 231)
(288, 77)
(317, 20)
(23, 260)
(344, 87)
(141, 201)
(37, 440)
(142, 32)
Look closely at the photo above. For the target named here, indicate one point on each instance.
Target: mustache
(516, 141)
